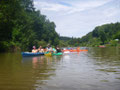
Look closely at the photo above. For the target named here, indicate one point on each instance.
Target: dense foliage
(69, 41)
(105, 34)
(21, 26)
(108, 34)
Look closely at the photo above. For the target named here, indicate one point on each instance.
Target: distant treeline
(108, 34)
(21, 26)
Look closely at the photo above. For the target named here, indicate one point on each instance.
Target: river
(97, 69)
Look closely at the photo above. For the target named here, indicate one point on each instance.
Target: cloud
(66, 7)
(55, 7)
(78, 17)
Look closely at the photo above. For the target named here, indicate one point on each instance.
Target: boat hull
(48, 54)
(24, 54)
(74, 50)
(59, 53)
(53, 54)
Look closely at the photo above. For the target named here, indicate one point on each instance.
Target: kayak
(59, 53)
(52, 54)
(31, 54)
(66, 51)
(48, 54)
(74, 50)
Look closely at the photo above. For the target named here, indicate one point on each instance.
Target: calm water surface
(97, 69)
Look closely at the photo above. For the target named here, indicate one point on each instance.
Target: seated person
(40, 49)
(34, 50)
(58, 49)
(49, 48)
(54, 50)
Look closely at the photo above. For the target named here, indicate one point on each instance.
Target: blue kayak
(31, 54)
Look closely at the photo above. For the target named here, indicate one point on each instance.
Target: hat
(48, 45)
(34, 47)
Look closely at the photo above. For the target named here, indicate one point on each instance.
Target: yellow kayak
(48, 54)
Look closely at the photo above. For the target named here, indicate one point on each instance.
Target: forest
(107, 34)
(22, 26)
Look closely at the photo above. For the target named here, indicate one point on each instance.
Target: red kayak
(74, 50)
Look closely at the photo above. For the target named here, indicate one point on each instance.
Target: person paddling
(58, 49)
(49, 48)
(40, 49)
(34, 50)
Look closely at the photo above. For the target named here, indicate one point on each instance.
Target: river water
(97, 69)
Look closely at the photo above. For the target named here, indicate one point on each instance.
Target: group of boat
(40, 53)
(51, 53)
(73, 50)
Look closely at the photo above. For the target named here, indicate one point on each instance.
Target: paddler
(34, 50)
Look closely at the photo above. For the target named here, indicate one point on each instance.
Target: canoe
(31, 54)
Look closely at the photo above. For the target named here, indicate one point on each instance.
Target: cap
(34, 47)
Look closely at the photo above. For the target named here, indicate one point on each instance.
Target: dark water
(97, 69)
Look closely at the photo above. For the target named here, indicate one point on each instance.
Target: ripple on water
(92, 70)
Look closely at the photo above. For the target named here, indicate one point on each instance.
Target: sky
(76, 18)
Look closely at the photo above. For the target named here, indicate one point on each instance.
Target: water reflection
(42, 68)
(106, 56)
(106, 60)
(97, 69)
(25, 73)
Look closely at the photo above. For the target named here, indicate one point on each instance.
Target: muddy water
(97, 69)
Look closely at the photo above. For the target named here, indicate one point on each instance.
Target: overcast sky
(78, 17)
